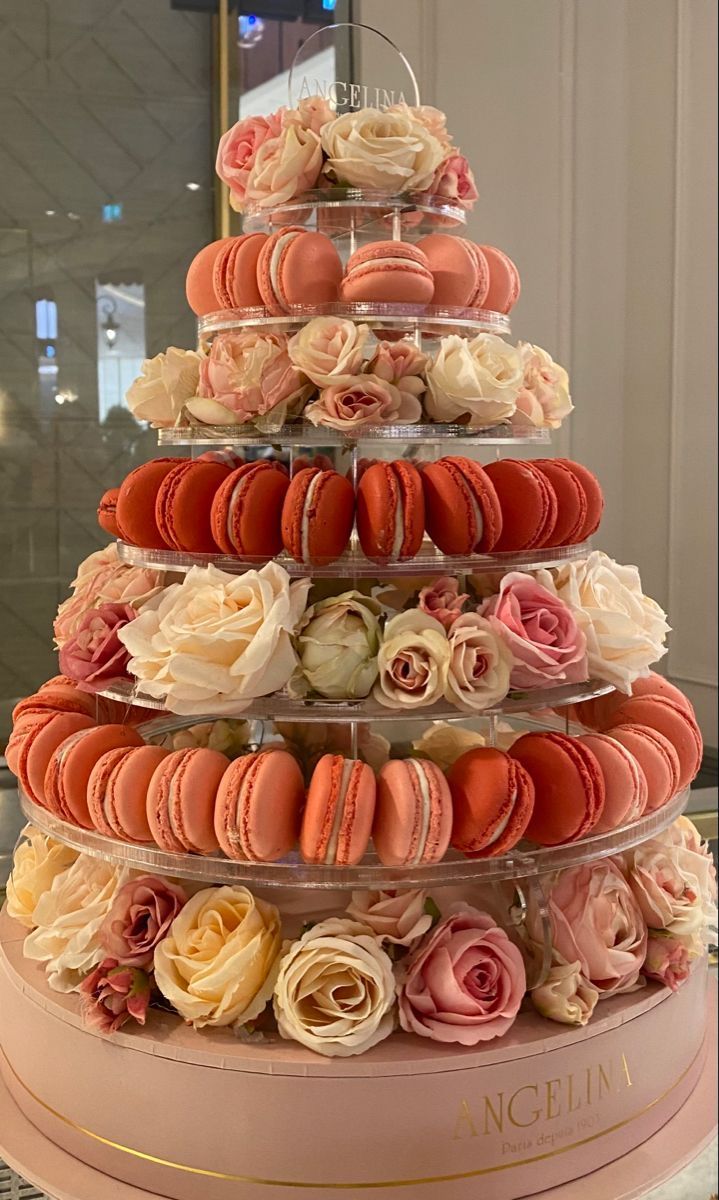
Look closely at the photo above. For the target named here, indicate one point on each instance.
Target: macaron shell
(320, 816)
(127, 803)
(492, 802)
(625, 784)
(506, 838)
(22, 729)
(389, 493)
(670, 719)
(107, 513)
(389, 272)
(71, 765)
(504, 285)
(259, 805)
(459, 269)
(98, 785)
(329, 507)
(242, 271)
(308, 270)
(59, 695)
(572, 506)
(194, 789)
(657, 758)
(184, 505)
(598, 712)
(528, 503)
(246, 514)
(456, 492)
(136, 503)
(159, 792)
(39, 747)
(593, 493)
(568, 787)
(397, 831)
(199, 284)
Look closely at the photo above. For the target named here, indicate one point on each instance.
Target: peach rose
(463, 983)
(367, 400)
(312, 112)
(565, 995)
(397, 917)
(453, 181)
(595, 921)
(140, 917)
(284, 166)
(674, 886)
(248, 376)
(478, 674)
(216, 641)
(442, 600)
(329, 350)
(238, 149)
(164, 386)
(387, 151)
(95, 656)
(401, 364)
(669, 958)
(540, 632)
(37, 861)
(413, 661)
(475, 381)
(544, 399)
(625, 630)
(103, 579)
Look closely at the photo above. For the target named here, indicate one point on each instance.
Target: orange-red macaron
(71, 765)
(593, 494)
(135, 510)
(672, 720)
(528, 503)
(41, 734)
(199, 286)
(317, 516)
(117, 791)
(462, 509)
(459, 269)
(572, 507)
(504, 284)
(568, 786)
(246, 515)
(390, 511)
(234, 272)
(339, 812)
(625, 784)
(184, 504)
(493, 800)
(107, 513)
(657, 758)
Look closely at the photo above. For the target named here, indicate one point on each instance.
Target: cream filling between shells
(331, 852)
(426, 811)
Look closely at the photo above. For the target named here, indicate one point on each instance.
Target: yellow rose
(37, 862)
(219, 964)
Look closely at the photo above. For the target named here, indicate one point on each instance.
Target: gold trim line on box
(359, 1185)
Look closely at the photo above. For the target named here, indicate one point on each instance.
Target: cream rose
(625, 630)
(335, 990)
(433, 119)
(216, 641)
(674, 887)
(397, 917)
(68, 919)
(337, 647)
(164, 386)
(329, 350)
(544, 399)
(37, 862)
(444, 743)
(229, 737)
(388, 151)
(219, 963)
(413, 661)
(475, 381)
(565, 995)
(480, 664)
(284, 166)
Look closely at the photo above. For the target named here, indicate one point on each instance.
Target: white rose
(37, 862)
(335, 990)
(625, 630)
(167, 382)
(675, 887)
(544, 399)
(565, 995)
(479, 379)
(389, 151)
(413, 661)
(229, 737)
(68, 918)
(216, 641)
(337, 647)
(329, 350)
(219, 963)
(479, 664)
(397, 917)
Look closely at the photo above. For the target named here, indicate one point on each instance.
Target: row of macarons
(296, 266)
(204, 506)
(550, 787)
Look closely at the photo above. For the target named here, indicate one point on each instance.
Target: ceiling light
(193, 187)
(250, 29)
(49, 212)
(66, 396)
(73, 216)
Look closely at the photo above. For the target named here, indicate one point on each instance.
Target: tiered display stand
(221, 1118)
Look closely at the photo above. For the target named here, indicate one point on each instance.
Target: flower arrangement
(333, 374)
(444, 970)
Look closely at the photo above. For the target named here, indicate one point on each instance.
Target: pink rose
(442, 600)
(311, 113)
(539, 630)
(245, 376)
(112, 995)
(544, 399)
(237, 152)
(140, 917)
(668, 959)
(95, 655)
(454, 181)
(285, 166)
(402, 364)
(103, 579)
(596, 922)
(367, 400)
(464, 982)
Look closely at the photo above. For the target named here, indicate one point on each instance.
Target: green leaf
(432, 910)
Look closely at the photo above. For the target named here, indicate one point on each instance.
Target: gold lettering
(489, 1111)
(606, 1080)
(464, 1119)
(571, 1106)
(625, 1070)
(588, 1073)
(553, 1106)
(528, 1087)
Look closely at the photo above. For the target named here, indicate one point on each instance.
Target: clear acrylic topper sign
(352, 66)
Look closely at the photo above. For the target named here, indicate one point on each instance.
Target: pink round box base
(170, 1112)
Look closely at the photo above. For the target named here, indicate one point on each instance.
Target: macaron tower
(390, 790)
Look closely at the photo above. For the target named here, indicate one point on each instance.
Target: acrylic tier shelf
(282, 707)
(405, 320)
(303, 433)
(345, 211)
(524, 862)
(354, 565)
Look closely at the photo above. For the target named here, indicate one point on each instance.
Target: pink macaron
(234, 272)
(598, 713)
(504, 285)
(671, 719)
(181, 800)
(296, 266)
(388, 273)
(459, 270)
(71, 765)
(340, 809)
(117, 791)
(259, 805)
(625, 784)
(657, 758)
(41, 736)
(199, 286)
(413, 817)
